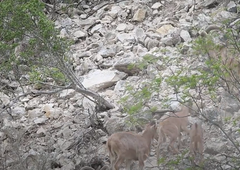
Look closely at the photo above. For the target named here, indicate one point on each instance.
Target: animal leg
(200, 148)
(179, 140)
(158, 148)
(128, 164)
(112, 160)
(141, 161)
(192, 152)
(119, 161)
(171, 145)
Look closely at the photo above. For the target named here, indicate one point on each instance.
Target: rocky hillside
(64, 132)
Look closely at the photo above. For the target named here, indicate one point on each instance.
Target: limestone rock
(185, 36)
(40, 121)
(68, 93)
(163, 30)
(115, 124)
(121, 27)
(213, 148)
(139, 15)
(156, 5)
(127, 65)
(4, 99)
(79, 34)
(232, 7)
(101, 79)
(34, 113)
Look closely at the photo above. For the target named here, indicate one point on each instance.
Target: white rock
(100, 79)
(185, 36)
(156, 5)
(125, 37)
(109, 51)
(18, 111)
(41, 120)
(41, 131)
(79, 34)
(66, 22)
(139, 34)
(63, 33)
(68, 93)
(121, 27)
(34, 113)
(4, 99)
(96, 28)
(114, 11)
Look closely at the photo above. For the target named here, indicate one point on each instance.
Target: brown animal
(196, 141)
(130, 146)
(171, 126)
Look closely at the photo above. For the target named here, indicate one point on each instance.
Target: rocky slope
(63, 132)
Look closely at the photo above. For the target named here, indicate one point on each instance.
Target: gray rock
(66, 22)
(171, 40)
(215, 147)
(156, 5)
(81, 54)
(151, 43)
(41, 132)
(68, 166)
(103, 139)
(115, 124)
(121, 27)
(87, 22)
(34, 113)
(125, 37)
(64, 33)
(223, 15)
(211, 3)
(114, 11)
(139, 34)
(232, 7)
(97, 28)
(68, 93)
(83, 16)
(79, 34)
(185, 36)
(111, 37)
(66, 132)
(18, 111)
(127, 65)
(229, 104)
(108, 51)
(98, 58)
(41, 120)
